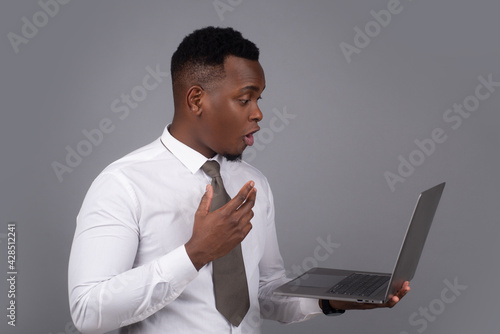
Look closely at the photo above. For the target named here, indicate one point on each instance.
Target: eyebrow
(252, 88)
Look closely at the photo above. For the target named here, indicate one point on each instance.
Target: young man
(148, 239)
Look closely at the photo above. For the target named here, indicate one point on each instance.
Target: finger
(394, 300)
(404, 289)
(243, 216)
(249, 201)
(246, 229)
(403, 292)
(240, 198)
(244, 213)
(206, 201)
(252, 196)
(253, 192)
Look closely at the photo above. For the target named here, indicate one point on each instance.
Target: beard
(232, 157)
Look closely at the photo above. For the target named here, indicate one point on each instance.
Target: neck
(187, 134)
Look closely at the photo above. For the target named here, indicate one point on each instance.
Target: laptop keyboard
(359, 285)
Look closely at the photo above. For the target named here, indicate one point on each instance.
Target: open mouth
(249, 138)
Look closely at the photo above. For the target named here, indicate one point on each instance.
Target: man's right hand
(216, 233)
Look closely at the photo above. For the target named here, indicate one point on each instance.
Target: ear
(194, 97)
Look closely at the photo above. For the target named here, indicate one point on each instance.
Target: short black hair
(199, 59)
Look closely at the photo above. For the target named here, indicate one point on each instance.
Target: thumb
(206, 200)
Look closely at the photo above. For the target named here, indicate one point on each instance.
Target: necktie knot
(211, 168)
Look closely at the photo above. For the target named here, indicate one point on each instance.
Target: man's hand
(216, 233)
(393, 300)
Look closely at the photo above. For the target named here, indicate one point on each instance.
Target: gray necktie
(230, 281)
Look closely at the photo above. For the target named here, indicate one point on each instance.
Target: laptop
(372, 287)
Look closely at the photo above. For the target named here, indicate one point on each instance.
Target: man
(147, 241)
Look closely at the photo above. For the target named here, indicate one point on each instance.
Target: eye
(244, 101)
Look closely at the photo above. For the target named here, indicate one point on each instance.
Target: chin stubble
(232, 157)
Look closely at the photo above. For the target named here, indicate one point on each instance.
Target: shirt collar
(192, 159)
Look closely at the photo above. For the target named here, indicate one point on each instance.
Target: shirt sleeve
(274, 307)
(105, 291)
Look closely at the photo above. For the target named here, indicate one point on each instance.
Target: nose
(256, 114)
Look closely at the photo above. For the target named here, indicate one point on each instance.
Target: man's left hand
(393, 300)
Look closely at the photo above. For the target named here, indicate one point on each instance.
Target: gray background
(326, 165)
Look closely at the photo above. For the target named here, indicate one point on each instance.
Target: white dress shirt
(129, 268)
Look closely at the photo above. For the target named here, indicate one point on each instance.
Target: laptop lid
(416, 234)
